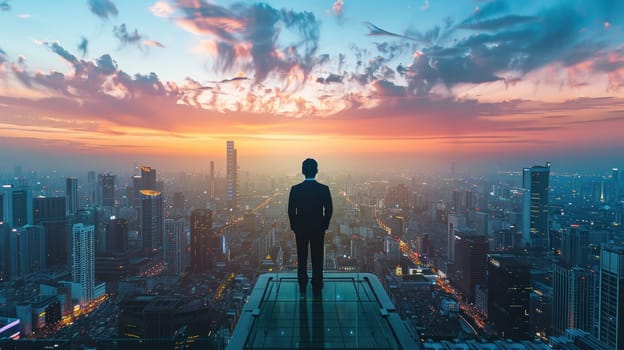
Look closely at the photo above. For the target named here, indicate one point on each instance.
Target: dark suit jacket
(309, 207)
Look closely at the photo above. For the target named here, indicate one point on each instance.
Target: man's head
(309, 168)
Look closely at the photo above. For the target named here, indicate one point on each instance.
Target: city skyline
(168, 82)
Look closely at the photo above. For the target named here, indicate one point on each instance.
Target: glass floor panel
(351, 313)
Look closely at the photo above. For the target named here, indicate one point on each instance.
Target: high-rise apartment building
(175, 246)
(71, 193)
(574, 292)
(50, 213)
(83, 260)
(611, 309)
(201, 237)
(152, 220)
(509, 289)
(535, 181)
(231, 178)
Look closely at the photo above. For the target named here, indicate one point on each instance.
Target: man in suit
(309, 212)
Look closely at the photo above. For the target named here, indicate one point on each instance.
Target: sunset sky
(168, 82)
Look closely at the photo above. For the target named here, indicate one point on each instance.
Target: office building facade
(611, 319)
(50, 212)
(106, 189)
(175, 246)
(71, 194)
(509, 289)
(535, 181)
(201, 239)
(152, 220)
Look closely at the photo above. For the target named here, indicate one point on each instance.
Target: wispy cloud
(153, 43)
(126, 37)
(83, 46)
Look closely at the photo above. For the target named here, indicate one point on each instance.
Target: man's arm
(292, 209)
(327, 204)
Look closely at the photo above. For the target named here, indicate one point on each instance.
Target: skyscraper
(16, 205)
(152, 220)
(91, 188)
(575, 248)
(148, 178)
(5, 251)
(535, 207)
(71, 193)
(574, 291)
(27, 250)
(611, 319)
(615, 177)
(117, 235)
(470, 263)
(201, 239)
(509, 286)
(107, 189)
(50, 213)
(232, 178)
(83, 260)
(175, 245)
(212, 185)
(136, 190)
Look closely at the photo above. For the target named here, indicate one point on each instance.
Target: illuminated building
(231, 177)
(148, 178)
(71, 194)
(509, 289)
(535, 182)
(152, 220)
(611, 309)
(83, 260)
(202, 241)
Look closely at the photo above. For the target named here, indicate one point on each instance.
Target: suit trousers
(315, 240)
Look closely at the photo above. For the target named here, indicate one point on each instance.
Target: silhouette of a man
(309, 212)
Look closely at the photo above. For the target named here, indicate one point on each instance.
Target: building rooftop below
(353, 312)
